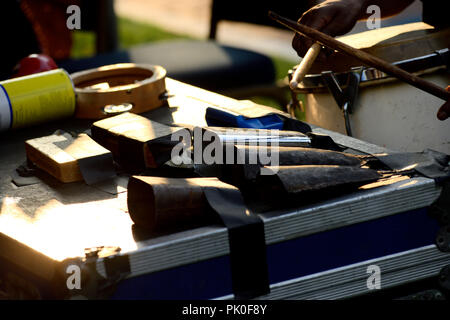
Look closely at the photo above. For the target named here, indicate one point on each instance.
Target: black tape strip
(117, 266)
(320, 141)
(248, 257)
(98, 168)
(295, 125)
(25, 175)
(161, 149)
(429, 163)
(23, 181)
(440, 209)
(93, 169)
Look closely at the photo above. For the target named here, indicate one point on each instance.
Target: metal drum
(372, 106)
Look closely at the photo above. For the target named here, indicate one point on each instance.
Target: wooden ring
(139, 85)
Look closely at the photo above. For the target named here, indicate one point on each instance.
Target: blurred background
(144, 21)
(226, 46)
(141, 21)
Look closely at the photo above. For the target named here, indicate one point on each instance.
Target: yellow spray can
(36, 98)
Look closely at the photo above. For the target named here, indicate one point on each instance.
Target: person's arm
(337, 17)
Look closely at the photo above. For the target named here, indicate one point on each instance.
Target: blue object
(291, 259)
(225, 118)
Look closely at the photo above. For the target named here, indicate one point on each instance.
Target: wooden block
(127, 136)
(58, 155)
(160, 205)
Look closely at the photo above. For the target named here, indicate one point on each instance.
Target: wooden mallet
(305, 65)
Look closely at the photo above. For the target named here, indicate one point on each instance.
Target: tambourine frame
(142, 86)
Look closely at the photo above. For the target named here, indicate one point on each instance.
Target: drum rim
(369, 75)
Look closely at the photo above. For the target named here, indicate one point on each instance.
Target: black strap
(94, 169)
(117, 265)
(429, 163)
(97, 169)
(161, 149)
(248, 257)
(295, 125)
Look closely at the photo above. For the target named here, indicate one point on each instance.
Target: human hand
(333, 17)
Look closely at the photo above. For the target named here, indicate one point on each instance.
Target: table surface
(61, 220)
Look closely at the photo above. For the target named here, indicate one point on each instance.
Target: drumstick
(304, 65)
(363, 56)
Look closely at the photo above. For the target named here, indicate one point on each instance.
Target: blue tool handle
(224, 118)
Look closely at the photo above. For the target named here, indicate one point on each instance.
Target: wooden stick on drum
(363, 56)
(305, 65)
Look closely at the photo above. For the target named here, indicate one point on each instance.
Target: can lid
(5, 110)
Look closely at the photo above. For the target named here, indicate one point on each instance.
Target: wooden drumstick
(365, 57)
(305, 65)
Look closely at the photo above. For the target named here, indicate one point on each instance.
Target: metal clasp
(345, 98)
